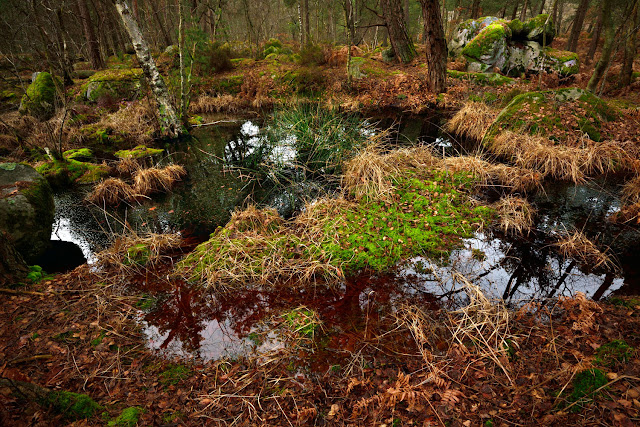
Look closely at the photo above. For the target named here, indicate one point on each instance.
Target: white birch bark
(169, 124)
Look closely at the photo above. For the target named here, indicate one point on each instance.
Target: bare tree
(95, 57)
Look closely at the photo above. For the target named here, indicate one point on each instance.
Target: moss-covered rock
(114, 83)
(488, 49)
(490, 79)
(62, 173)
(127, 418)
(562, 115)
(79, 154)
(138, 152)
(26, 209)
(466, 31)
(564, 62)
(540, 29)
(40, 99)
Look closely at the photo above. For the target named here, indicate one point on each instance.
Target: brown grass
(472, 121)
(153, 180)
(127, 166)
(117, 258)
(576, 245)
(515, 215)
(111, 192)
(491, 174)
(215, 104)
(259, 220)
(631, 191)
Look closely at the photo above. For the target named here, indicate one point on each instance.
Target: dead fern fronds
(515, 215)
(472, 121)
(111, 192)
(581, 311)
(576, 245)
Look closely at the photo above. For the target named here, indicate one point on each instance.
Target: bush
(308, 81)
(312, 54)
(219, 58)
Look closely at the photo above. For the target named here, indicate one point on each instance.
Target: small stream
(193, 323)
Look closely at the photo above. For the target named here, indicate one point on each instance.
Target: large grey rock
(26, 209)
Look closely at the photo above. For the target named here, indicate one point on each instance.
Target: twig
(215, 123)
(30, 359)
(19, 292)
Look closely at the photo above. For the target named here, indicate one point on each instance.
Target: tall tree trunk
(578, 21)
(97, 63)
(630, 47)
(65, 62)
(169, 124)
(307, 27)
(475, 9)
(436, 46)
(560, 19)
(523, 13)
(605, 56)
(542, 4)
(515, 10)
(595, 39)
(394, 17)
(300, 23)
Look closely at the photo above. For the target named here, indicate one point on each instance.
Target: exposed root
(576, 245)
(515, 215)
(472, 121)
(111, 192)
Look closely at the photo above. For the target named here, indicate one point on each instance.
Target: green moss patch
(138, 254)
(138, 152)
(174, 374)
(128, 418)
(616, 351)
(564, 115)
(484, 42)
(585, 384)
(113, 83)
(73, 406)
(79, 154)
(484, 79)
(63, 173)
(39, 100)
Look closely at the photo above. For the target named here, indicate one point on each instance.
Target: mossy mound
(489, 79)
(539, 29)
(79, 154)
(40, 99)
(138, 152)
(116, 84)
(563, 115)
(616, 351)
(62, 173)
(73, 406)
(585, 385)
(128, 418)
(564, 62)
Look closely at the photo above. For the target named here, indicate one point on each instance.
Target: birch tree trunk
(169, 124)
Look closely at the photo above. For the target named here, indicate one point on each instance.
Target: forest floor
(570, 361)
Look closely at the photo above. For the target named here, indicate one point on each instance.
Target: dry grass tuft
(512, 178)
(484, 323)
(472, 121)
(215, 104)
(127, 166)
(631, 191)
(515, 215)
(369, 174)
(154, 180)
(264, 220)
(131, 252)
(576, 245)
(136, 120)
(111, 192)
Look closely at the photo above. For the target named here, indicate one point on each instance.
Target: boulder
(12, 267)
(488, 49)
(26, 209)
(540, 29)
(40, 99)
(466, 31)
(118, 84)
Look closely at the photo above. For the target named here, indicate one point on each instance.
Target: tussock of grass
(368, 173)
(215, 104)
(631, 191)
(472, 121)
(509, 177)
(132, 252)
(111, 192)
(153, 180)
(515, 215)
(576, 245)
(127, 166)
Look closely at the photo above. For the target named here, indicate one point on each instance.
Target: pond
(181, 320)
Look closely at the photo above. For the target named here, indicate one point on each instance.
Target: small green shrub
(219, 58)
(312, 54)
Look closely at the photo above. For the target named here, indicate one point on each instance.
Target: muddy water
(194, 323)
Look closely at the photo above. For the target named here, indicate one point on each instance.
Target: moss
(613, 352)
(138, 152)
(628, 302)
(63, 173)
(428, 217)
(566, 63)
(79, 154)
(35, 273)
(73, 406)
(39, 100)
(174, 374)
(127, 418)
(585, 385)
(138, 254)
(303, 321)
(486, 39)
(517, 28)
(536, 113)
(114, 83)
(490, 79)
(229, 85)
(540, 29)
